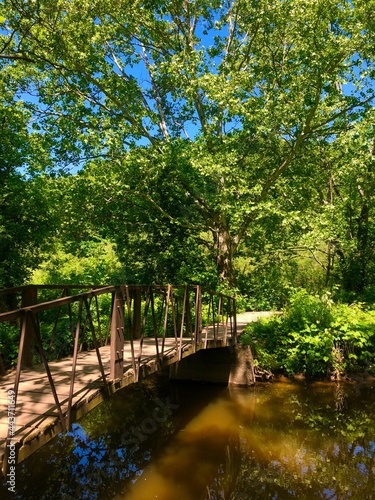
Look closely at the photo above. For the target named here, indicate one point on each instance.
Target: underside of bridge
(230, 365)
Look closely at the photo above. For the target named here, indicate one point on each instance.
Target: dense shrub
(315, 337)
(9, 340)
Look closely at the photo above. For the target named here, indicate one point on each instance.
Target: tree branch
(287, 161)
(156, 93)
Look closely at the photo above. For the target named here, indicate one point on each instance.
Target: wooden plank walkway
(36, 415)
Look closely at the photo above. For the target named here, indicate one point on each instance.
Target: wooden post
(219, 313)
(183, 321)
(29, 298)
(225, 325)
(117, 336)
(156, 329)
(212, 302)
(189, 328)
(165, 327)
(234, 332)
(198, 317)
(137, 313)
(130, 328)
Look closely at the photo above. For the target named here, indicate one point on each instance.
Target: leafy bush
(305, 310)
(9, 340)
(315, 337)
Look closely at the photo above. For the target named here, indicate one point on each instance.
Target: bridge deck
(36, 412)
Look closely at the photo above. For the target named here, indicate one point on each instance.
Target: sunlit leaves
(213, 107)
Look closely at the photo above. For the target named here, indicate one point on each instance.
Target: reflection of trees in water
(83, 468)
(337, 471)
(325, 450)
(96, 461)
(339, 397)
(305, 444)
(99, 467)
(344, 475)
(224, 484)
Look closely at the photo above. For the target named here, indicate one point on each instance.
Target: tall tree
(221, 96)
(340, 233)
(24, 208)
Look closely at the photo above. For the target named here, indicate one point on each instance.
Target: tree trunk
(224, 251)
(355, 264)
(362, 242)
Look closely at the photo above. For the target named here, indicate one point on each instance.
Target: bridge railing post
(224, 318)
(117, 335)
(182, 325)
(29, 298)
(234, 332)
(198, 317)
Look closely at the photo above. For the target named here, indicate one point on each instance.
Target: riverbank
(316, 337)
(351, 378)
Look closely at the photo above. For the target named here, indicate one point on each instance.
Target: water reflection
(283, 441)
(192, 458)
(189, 442)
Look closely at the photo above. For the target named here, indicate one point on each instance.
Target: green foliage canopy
(222, 96)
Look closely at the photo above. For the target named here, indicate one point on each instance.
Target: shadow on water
(192, 441)
(111, 445)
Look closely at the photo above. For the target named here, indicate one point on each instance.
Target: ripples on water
(189, 442)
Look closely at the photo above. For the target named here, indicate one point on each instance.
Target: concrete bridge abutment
(219, 365)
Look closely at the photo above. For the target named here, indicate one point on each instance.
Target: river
(174, 441)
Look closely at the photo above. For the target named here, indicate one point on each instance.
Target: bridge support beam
(221, 365)
(117, 336)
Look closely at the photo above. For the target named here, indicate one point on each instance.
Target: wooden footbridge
(77, 345)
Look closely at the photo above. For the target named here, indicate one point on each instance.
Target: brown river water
(165, 441)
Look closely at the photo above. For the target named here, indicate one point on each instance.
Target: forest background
(225, 143)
